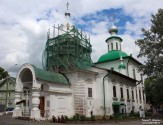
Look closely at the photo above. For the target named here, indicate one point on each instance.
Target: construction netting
(68, 51)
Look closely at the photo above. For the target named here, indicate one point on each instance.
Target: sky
(24, 25)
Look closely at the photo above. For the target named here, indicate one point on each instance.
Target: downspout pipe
(104, 91)
(128, 63)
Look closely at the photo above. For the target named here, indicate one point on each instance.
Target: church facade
(71, 83)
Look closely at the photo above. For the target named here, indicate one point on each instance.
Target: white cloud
(23, 25)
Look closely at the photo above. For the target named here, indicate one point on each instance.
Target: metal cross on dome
(67, 5)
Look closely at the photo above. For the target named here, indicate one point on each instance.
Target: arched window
(127, 94)
(141, 75)
(114, 92)
(136, 94)
(116, 46)
(111, 46)
(134, 75)
(121, 89)
(89, 92)
(139, 94)
(132, 95)
(143, 94)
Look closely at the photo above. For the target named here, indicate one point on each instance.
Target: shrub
(83, 118)
(111, 117)
(148, 114)
(74, 118)
(62, 119)
(66, 118)
(77, 117)
(136, 115)
(98, 117)
(125, 116)
(116, 116)
(92, 118)
(54, 118)
(88, 118)
(59, 119)
(104, 118)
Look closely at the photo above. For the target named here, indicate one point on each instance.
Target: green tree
(151, 47)
(3, 73)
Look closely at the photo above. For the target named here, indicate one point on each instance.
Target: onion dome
(113, 30)
(121, 66)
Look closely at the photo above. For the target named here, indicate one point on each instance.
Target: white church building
(70, 83)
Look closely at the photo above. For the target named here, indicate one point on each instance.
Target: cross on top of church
(67, 5)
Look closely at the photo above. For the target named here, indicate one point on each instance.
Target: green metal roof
(112, 55)
(121, 66)
(50, 76)
(114, 37)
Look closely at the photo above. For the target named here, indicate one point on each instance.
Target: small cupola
(122, 67)
(114, 41)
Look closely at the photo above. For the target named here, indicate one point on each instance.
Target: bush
(92, 118)
(136, 115)
(103, 117)
(111, 117)
(125, 116)
(83, 118)
(59, 119)
(66, 118)
(116, 116)
(76, 117)
(54, 118)
(98, 117)
(148, 114)
(62, 119)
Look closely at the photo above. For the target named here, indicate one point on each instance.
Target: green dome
(112, 55)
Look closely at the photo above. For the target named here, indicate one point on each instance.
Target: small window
(42, 87)
(89, 92)
(136, 94)
(143, 94)
(141, 75)
(114, 91)
(139, 94)
(132, 95)
(127, 94)
(108, 48)
(8, 94)
(116, 46)
(121, 89)
(111, 46)
(134, 75)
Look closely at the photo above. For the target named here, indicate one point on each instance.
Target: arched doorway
(26, 79)
(44, 100)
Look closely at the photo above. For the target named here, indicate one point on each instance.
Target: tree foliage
(3, 73)
(154, 91)
(151, 47)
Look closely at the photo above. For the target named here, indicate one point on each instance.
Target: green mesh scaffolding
(69, 51)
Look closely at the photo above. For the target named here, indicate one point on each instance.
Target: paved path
(8, 120)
